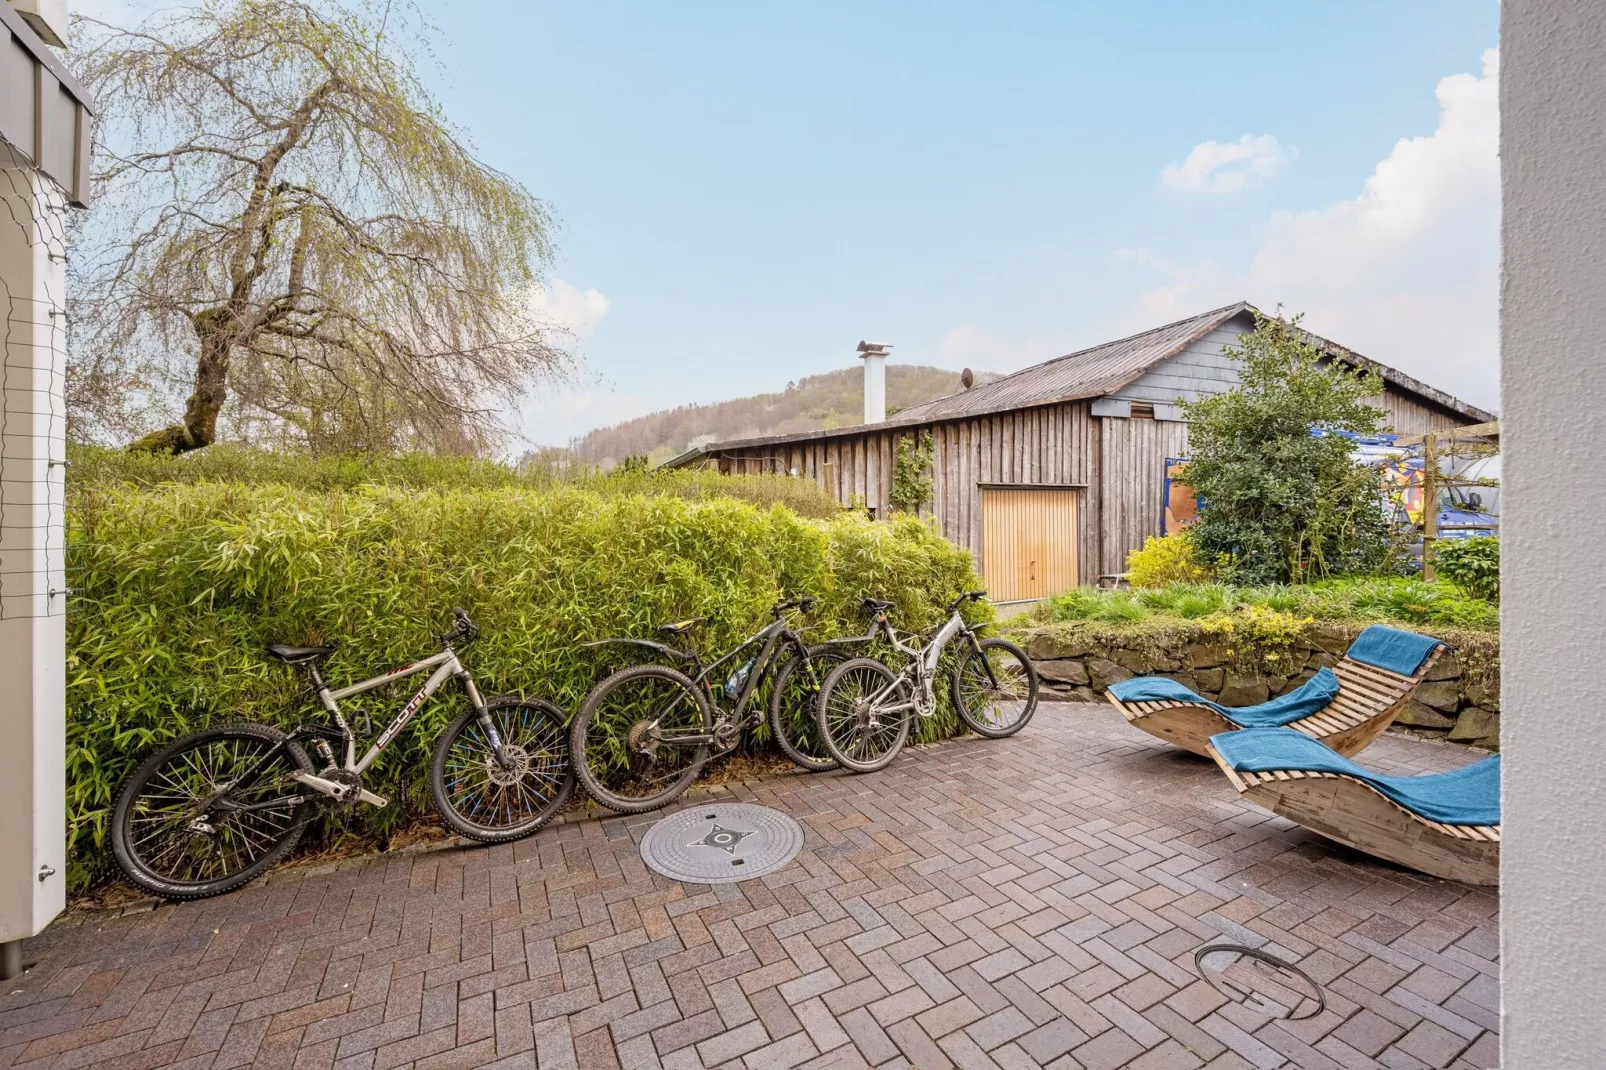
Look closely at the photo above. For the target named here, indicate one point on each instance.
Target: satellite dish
(967, 379)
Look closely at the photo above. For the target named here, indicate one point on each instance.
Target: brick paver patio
(1032, 901)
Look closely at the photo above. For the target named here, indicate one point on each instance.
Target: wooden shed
(1051, 475)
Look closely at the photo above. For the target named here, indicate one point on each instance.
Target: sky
(744, 191)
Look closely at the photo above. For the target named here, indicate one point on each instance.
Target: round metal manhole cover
(721, 843)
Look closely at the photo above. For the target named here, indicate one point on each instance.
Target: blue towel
(1392, 649)
(1469, 796)
(1309, 697)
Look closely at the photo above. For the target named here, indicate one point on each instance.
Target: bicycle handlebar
(968, 596)
(805, 603)
(463, 627)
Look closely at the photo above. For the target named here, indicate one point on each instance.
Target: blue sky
(746, 190)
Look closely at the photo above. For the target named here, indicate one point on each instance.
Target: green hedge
(94, 466)
(180, 586)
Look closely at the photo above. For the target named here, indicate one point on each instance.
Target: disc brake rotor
(518, 766)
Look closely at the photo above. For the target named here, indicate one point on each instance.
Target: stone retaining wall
(1078, 666)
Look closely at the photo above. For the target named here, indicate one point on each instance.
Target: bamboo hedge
(181, 585)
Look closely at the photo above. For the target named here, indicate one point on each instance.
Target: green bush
(1382, 599)
(180, 586)
(96, 466)
(1472, 565)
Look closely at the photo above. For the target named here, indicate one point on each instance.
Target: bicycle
(642, 734)
(214, 810)
(865, 709)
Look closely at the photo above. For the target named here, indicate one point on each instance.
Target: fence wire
(33, 403)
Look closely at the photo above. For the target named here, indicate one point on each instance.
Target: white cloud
(1406, 272)
(1216, 168)
(568, 308)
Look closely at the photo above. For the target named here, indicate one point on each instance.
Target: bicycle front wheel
(794, 707)
(995, 688)
(854, 723)
(493, 800)
(211, 811)
(640, 738)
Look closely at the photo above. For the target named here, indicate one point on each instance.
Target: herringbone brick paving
(1025, 902)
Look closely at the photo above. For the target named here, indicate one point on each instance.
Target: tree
(1283, 500)
(289, 225)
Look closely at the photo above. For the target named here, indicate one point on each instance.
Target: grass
(1389, 600)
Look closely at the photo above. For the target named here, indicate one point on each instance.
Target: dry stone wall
(1459, 700)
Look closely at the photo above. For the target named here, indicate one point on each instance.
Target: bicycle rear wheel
(485, 800)
(995, 688)
(853, 723)
(640, 738)
(794, 717)
(185, 827)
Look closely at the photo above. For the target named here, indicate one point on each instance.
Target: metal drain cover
(721, 843)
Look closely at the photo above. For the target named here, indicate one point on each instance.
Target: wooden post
(1430, 502)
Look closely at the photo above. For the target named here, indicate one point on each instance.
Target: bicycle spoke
(178, 842)
(481, 791)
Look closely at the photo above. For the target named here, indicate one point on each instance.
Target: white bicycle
(865, 709)
(217, 808)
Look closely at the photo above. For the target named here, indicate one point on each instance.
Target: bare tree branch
(287, 224)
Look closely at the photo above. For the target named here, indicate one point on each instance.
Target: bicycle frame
(922, 664)
(446, 666)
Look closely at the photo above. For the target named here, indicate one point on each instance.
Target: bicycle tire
(796, 731)
(992, 727)
(543, 774)
(126, 846)
(874, 749)
(590, 765)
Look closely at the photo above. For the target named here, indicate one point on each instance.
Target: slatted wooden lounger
(1368, 700)
(1357, 814)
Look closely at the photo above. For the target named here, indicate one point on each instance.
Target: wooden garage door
(1028, 541)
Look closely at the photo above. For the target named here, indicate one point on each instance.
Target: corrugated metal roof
(1088, 373)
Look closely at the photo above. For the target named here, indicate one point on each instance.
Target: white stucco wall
(32, 620)
(1553, 396)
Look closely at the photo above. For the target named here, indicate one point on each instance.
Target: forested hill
(835, 399)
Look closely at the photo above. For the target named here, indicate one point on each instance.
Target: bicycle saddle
(876, 605)
(681, 627)
(295, 655)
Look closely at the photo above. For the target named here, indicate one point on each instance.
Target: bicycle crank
(342, 785)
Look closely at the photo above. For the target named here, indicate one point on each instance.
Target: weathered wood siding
(1049, 444)
(1132, 487)
(1120, 460)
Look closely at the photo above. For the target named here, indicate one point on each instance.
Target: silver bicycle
(865, 709)
(215, 809)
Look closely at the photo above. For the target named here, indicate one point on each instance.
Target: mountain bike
(216, 809)
(643, 734)
(864, 709)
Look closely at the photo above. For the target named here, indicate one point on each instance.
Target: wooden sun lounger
(1357, 815)
(1368, 700)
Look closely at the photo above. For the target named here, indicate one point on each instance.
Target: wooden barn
(1051, 475)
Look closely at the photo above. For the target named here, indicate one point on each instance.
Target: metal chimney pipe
(875, 380)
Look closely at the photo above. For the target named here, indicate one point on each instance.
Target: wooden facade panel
(1131, 486)
(1029, 536)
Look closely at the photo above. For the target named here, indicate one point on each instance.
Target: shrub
(1283, 504)
(1384, 599)
(1164, 560)
(1471, 564)
(96, 466)
(180, 586)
